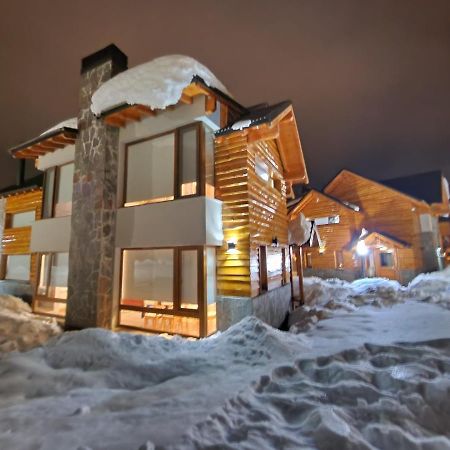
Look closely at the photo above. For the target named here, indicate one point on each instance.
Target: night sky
(370, 80)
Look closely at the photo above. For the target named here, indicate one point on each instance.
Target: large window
(52, 286)
(164, 167)
(58, 191)
(163, 289)
(17, 267)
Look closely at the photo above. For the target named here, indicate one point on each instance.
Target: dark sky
(370, 80)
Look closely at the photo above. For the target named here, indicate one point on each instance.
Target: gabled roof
(302, 201)
(374, 237)
(275, 122)
(346, 171)
(256, 115)
(423, 186)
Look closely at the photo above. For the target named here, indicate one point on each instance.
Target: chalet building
(361, 227)
(164, 203)
(20, 207)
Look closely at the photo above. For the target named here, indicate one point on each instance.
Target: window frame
(177, 169)
(45, 297)
(392, 258)
(55, 188)
(4, 267)
(199, 313)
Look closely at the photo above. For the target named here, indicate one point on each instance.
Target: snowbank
(432, 287)
(20, 329)
(69, 123)
(156, 84)
(249, 387)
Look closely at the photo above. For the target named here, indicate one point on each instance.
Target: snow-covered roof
(68, 123)
(157, 84)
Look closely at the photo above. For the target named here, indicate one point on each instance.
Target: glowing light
(361, 248)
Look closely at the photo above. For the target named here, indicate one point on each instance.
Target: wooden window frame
(200, 179)
(308, 260)
(199, 313)
(392, 266)
(55, 188)
(263, 277)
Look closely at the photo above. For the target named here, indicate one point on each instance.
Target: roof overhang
(45, 143)
(283, 129)
(121, 115)
(379, 240)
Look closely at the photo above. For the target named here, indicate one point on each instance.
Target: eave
(45, 143)
(121, 115)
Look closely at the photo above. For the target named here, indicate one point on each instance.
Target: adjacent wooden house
(369, 228)
(20, 207)
(164, 201)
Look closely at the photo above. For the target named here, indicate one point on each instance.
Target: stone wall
(271, 307)
(91, 257)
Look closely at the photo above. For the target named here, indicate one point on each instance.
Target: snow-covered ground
(20, 329)
(370, 376)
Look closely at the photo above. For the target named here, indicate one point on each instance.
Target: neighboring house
(20, 207)
(444, 229)
(164, 202)
(396, 233)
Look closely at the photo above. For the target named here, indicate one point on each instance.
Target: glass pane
(162, 323)
(188, 161)
(189, 279)
(23, 219)
(48, 193)
(18, 267)
(147, 278)
(150, 171)
(53, 308)
(211, 325)
(209, 163)
(59, 276)
(43, 275)
(261, 169)
(63, 201)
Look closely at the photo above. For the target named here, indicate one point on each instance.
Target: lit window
(166, 167)
(52, 287)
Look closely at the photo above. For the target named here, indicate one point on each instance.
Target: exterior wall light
(275, 242)
(361, 248)
(231, 245)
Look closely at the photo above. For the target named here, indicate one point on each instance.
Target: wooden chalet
(183, 207)
(369, 228)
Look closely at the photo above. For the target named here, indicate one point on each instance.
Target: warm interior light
(361, 248)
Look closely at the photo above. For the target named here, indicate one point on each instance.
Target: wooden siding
(335, 237)
(16, 241)
(385, 211)
(267, 214)
(231, 187)
(253, 211)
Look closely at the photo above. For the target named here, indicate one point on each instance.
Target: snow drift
(20, 329)
(157, 84)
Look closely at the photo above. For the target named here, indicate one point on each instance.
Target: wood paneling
(384, 209)
(254, 213)
(16, 241)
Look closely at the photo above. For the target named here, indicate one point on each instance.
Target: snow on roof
(157, 84)
(68, 123)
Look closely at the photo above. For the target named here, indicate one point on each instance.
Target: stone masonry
(92, 241)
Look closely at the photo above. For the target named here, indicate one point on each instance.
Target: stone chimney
(92, 239)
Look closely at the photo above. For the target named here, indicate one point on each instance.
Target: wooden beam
(263, 132)
(115, 121)
(210, 104)
(145, 110)
(186, 99)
